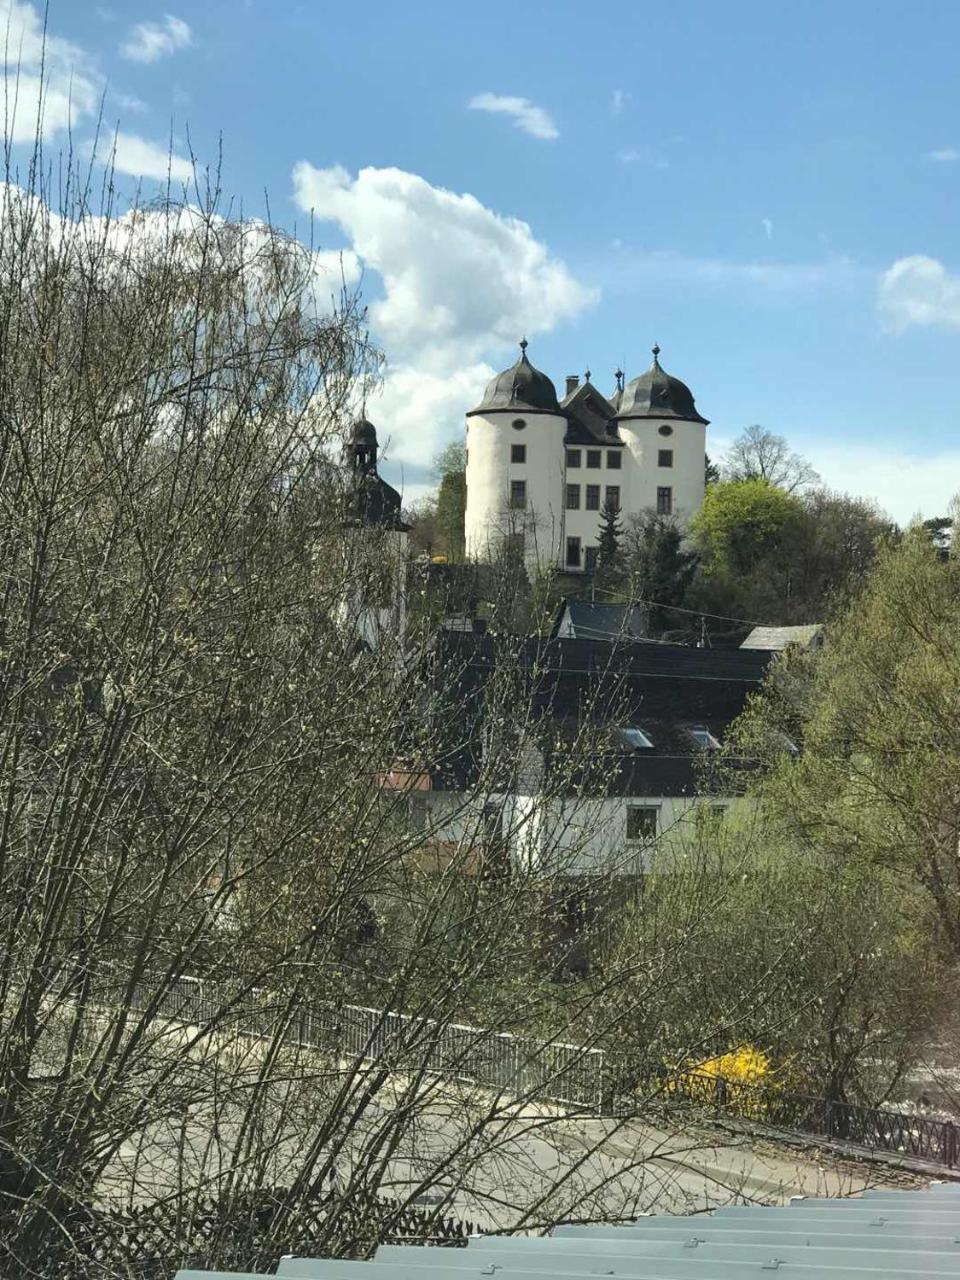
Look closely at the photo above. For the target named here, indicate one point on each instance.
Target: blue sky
(769, 191)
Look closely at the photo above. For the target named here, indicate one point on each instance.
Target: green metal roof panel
(888, 1234)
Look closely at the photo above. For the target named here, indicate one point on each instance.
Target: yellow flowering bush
(750, 1082)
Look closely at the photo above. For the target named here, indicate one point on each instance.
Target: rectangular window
(518, 494)
(518, 453)
(664, 457)
(664, 501)
(573, 457)
(593, 458)
(573, 497)
(642, 822)
(613, 496)
(613, 459)
(593, 497)
(590, 562)
(703, 738)
(573, 553)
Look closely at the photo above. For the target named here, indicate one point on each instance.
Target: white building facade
(540, 470)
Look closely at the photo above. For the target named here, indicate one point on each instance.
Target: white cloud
(918, 290)
(631, 267)
(44, 76)
(144, 159)
(767, 224)
(903, 484)
(944, 155)
(460, 285)
(525, 114)
(150, 41)
(418, 411)
(618, 100)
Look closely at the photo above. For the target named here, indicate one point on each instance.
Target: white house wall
(559, 837)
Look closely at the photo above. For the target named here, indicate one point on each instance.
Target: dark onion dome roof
(363, 432)
(369, 501)
(655, 394)
(521, 388)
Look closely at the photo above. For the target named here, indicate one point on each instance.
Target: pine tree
(610, 565)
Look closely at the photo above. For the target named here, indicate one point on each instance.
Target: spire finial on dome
(586, 376)
(619, 377)
(656, 351)
(523, 345)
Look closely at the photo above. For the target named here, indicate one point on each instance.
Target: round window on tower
(518, 424)
(665, 430)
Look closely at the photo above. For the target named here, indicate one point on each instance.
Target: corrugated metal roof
(887, 1234)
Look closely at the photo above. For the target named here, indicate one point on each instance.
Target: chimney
(573, 381)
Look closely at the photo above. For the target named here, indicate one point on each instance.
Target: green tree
(610, 573)
(659, 567)
(875, 778)
(450, 469)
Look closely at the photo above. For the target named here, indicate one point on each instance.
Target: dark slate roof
(655, 394)
(521, 388)
(373, 503)
(881, 1235)
(663, 689)
(591, 417)
(591, 621)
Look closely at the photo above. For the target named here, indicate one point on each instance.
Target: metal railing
(899, 1132)
(547, 1069)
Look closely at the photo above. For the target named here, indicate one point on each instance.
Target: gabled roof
(590, 621)
(591, 417)
(663, 689)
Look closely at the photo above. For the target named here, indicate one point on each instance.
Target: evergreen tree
(659, 567)
(610, 562)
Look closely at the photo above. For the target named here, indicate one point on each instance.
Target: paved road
(530, 1166)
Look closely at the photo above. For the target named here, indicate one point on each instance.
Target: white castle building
(540, 470)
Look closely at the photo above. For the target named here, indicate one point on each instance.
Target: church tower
(375, 546)
(515, 466)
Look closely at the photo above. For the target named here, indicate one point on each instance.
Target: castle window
(573, 457)
(518, 494)
(642, 822)
(593, 497)
(613, 496)
(518, 424)
(573, 497)
(665, 430)
(664, 501)
(590, 561)
(613, 459)
(573, 553)
(664, 457)
(518, 453)
(593, 458)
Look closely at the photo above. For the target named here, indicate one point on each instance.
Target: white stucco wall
(688, 441)
(564, 837)
(490, 472)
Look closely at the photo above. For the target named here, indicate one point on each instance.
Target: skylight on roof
(636, 738)
(703, 737)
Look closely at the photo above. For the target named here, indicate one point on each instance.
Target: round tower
(515, 463)
(666, 438)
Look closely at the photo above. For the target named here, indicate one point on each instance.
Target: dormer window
(703, 737)
(636, 738)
